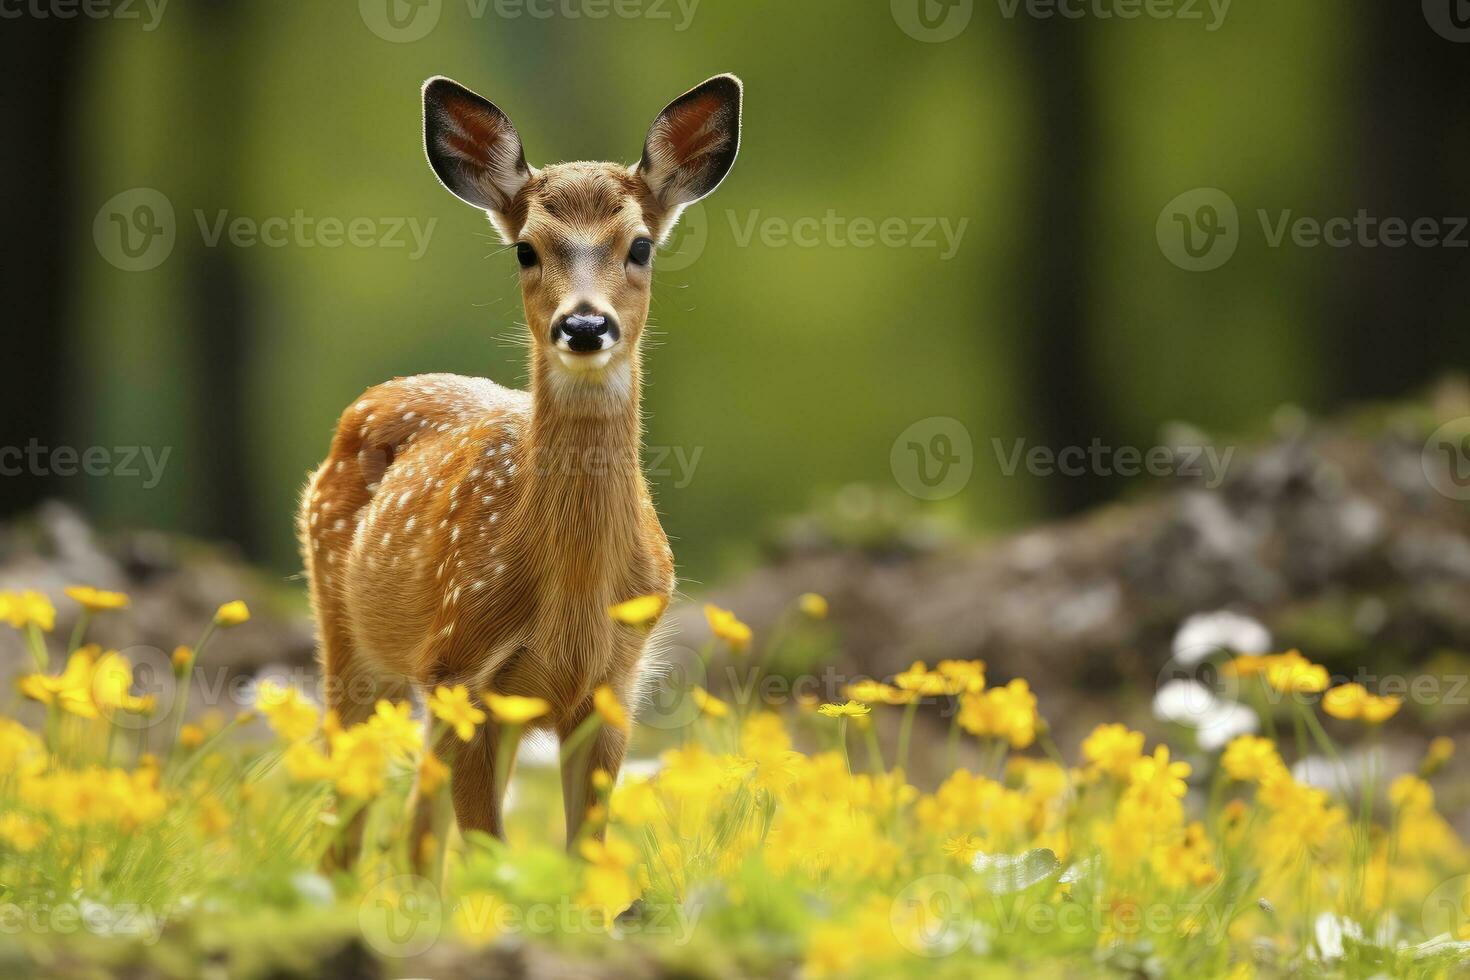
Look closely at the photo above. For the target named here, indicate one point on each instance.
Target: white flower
(1330, 930)
(1205, 634)
(1193, 705)
(1343, 776)
(1228, 723)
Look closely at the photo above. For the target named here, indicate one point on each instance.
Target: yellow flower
(306, 763)
(513, 709)
(289, 714)
(607, 885)
(1003, 712)
(182, 659)
(725, 626)
(71, 690)
(1251, 758)
(112, 679)
(812, 605)
(214, 819)
(191, 736)
(1155, 777)
(964, 675)
(358, 762)
(1441, 750)
(22, 609)
(21, 832)
(708, 703)
(96, 600)
(1246, 666)
(21, 750)
(641, 612)
(870, 691)
(851, 709)
(1411, 794)
(1291, 673)
(432, 774)
(1345, 701)
(1352, 702)
(962, 848)
(635, 803)
(452, 706)
(232, 614)
(1113, 749)
(611, 709)
(393, 724)
(920, 681)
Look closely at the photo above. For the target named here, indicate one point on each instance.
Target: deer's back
(405, 520)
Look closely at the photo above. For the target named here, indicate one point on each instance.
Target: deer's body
(459, 532)
(512, 597)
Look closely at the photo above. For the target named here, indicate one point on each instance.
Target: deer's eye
(525, 254)
(641, 251)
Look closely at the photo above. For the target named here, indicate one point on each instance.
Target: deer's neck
(584, 475)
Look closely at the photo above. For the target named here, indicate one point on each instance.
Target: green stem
(842, 740)
(905, 732)
(505, 753)
(38, 648)
(345, 817)
(1262, 704)
(758, 663)
(177, 777)
(580, 734)
(952, 743)
(875, 751)
(182, 677)
(79, 632)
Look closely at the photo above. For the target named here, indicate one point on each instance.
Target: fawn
(464, 533)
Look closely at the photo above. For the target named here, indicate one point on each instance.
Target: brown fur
(462, 533)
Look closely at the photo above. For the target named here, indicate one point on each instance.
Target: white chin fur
(594, 361)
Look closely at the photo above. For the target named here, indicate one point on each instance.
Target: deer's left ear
(472, 146)
(692, 144)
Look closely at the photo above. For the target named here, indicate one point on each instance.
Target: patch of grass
(758, 842)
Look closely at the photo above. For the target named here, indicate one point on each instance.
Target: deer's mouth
(583, 361)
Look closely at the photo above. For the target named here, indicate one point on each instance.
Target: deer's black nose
(585, 332)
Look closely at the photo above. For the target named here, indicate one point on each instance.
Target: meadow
(747, 839)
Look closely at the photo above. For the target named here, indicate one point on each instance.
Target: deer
(460, 532)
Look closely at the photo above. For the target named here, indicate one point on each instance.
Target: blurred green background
(790, 370)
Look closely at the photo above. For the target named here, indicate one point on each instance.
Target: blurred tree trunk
(1057, 366)
(221, 314)
(39, 199)
(1399, 312)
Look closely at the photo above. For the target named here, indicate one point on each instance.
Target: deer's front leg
(472, 782)
(603, 750)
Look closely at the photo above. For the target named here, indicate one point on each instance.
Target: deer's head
(585, 234)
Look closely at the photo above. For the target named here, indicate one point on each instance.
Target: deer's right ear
(692, 144)
(472, 146)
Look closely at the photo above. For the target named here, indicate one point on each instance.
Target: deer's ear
(692, 144)
(472, 146)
